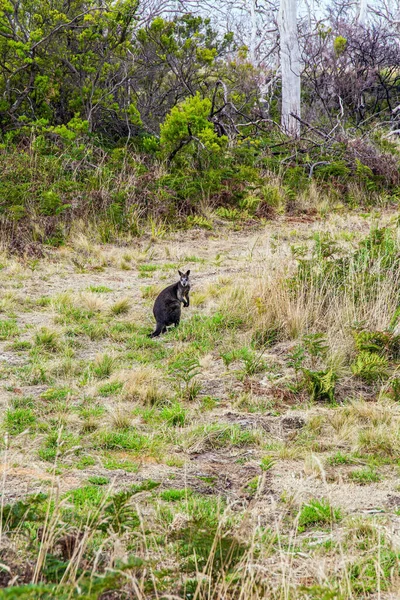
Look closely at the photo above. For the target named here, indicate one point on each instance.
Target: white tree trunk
(290, 66)
(362, 12)
(251, 7)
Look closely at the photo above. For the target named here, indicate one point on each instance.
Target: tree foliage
(59, 61)
(99, 95)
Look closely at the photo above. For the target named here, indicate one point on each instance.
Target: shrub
(321, 384)
(188, 124)
(381, 342)
(370, 367)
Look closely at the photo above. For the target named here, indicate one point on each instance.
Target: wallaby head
(184, 279)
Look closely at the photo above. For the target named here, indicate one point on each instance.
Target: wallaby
(167, 307)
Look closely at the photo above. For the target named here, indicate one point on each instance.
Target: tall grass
(332, 291)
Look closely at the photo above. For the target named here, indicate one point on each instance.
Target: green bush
(188, 125)
(321, 384)
(370, 367)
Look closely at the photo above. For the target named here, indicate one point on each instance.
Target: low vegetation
(251, 452)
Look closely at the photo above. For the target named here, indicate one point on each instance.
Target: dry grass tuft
(145, 385)
(91, 301)
(120, 417)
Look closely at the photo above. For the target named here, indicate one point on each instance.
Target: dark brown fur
(167, 307)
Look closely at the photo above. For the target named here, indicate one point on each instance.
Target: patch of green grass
(93, 330)
(365, 476)
(114, 463)
(48, 340)
(195, 541)
(377, 443)
(43, 301)
(34, 373)
(57, 443)
(98, 480)
(20, 346)
(318, 512)
(91, 416)
(208, 402)
(86, 410)
(120, 331)
(69, 314)
(150, 291)
(174, 414)
(104, 366)
(18, 420)
(84, 462)
(145, 486)
(56, 393)
(86, 497)
(205, 331)
(252, 361)
(175, 495)
(109, 389)
(146, 270)
(8, 329)
(145, 350)
(223, 436)
(99, 289)
(247, 402)
(122, 440)
(374, 572)
(209, 479)
(23, 402)
(194, 259)
(341, 459)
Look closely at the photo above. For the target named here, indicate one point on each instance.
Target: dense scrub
(46, 187)
(125, 119)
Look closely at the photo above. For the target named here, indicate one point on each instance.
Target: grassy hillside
(250, 453)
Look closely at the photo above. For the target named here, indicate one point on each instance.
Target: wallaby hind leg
(160, 328)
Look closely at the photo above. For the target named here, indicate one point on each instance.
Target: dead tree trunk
(362, 12)
(290, 67)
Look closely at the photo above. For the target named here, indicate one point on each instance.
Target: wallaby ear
(180, 274)
(187, 273)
